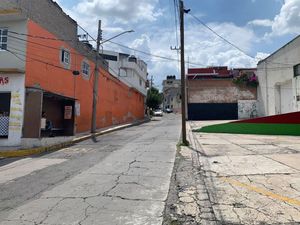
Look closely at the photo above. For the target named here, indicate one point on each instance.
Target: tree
(154, 98)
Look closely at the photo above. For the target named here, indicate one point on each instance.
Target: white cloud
(121, 11)
(263, 23)
(201, 47)
(287, 21)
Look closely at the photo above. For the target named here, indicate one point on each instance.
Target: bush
(246, 79)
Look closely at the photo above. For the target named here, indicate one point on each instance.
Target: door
(212, 111)
(286, 97)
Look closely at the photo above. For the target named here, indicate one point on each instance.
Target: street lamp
(118, 35)
(96, 77)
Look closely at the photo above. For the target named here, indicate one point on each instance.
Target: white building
(279, 80)
(129, 69)
(172, 94)
(12, 83)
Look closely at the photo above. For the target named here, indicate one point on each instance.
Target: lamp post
(118, 35)
(96, 77)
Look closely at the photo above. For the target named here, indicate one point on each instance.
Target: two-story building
(128, 68)
(46, 70)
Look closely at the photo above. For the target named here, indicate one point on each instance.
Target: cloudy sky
(258, 27)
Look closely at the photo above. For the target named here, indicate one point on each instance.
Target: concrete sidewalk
(11, 152)
(237, 179)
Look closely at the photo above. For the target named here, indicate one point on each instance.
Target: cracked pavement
(235, 179)
(122, 179)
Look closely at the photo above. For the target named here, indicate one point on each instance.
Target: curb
(52, 148)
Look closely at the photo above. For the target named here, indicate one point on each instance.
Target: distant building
(172, 94)
(212, 95)
(129, 69)
(279, 78)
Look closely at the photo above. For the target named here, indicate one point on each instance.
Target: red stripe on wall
(288, 118)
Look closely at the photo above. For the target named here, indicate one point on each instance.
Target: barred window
(85, 69)
(3, 39)
(65, 56)
(297, 70)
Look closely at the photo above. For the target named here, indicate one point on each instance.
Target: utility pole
(96, 81)
(183, 99)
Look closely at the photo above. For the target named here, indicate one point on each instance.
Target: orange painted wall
(117, 103)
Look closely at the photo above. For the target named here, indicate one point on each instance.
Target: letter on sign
(4, 80)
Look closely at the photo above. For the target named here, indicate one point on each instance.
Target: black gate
(212, 111)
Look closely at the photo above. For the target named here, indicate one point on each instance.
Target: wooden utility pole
(96, 81)
(183, 109)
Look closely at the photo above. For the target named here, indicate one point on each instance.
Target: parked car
(168, 110)
(158, 112)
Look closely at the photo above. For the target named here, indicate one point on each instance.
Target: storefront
(11, 107)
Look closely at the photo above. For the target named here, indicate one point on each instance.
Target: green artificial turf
(253, 128)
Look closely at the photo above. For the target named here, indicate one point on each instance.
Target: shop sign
(4, 80)
(68, 112)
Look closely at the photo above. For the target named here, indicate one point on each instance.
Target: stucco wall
(274, 72)
(14, 46)
(218, 91)
(16, 87)
(117, 103)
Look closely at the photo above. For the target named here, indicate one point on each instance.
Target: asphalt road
(122, 179)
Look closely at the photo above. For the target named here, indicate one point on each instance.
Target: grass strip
(253, 128)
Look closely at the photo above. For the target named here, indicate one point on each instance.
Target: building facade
(40, 60)
(129, 69)
(172, 94)
(212, 94)
(279, 78)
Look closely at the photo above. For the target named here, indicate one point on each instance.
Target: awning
(57, 96)
(50, 94)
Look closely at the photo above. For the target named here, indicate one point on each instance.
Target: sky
(257, 27)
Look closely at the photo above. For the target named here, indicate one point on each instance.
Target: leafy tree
(154, 98)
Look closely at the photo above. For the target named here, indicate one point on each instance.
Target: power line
(40, 37)
(37, 60)
(153, 55)
(224, 39)
(93, 39)
(230, 43)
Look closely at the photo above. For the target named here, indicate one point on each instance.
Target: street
(122, 179)
(235, 179)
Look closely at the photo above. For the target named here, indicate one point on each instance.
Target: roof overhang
(11, 71)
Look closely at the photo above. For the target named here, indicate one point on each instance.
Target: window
(65, 56)
(297, 70)
(85, 69)
(3, 39)
(110, 57)
(141, 82)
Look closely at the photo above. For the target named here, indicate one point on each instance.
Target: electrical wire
(230, 43)
(153, 55)
(224, 39)
(121, 45)
(40, 37)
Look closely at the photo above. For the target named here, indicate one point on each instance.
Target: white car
(158, 112)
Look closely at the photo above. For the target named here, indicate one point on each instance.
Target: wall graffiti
(16, 111)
